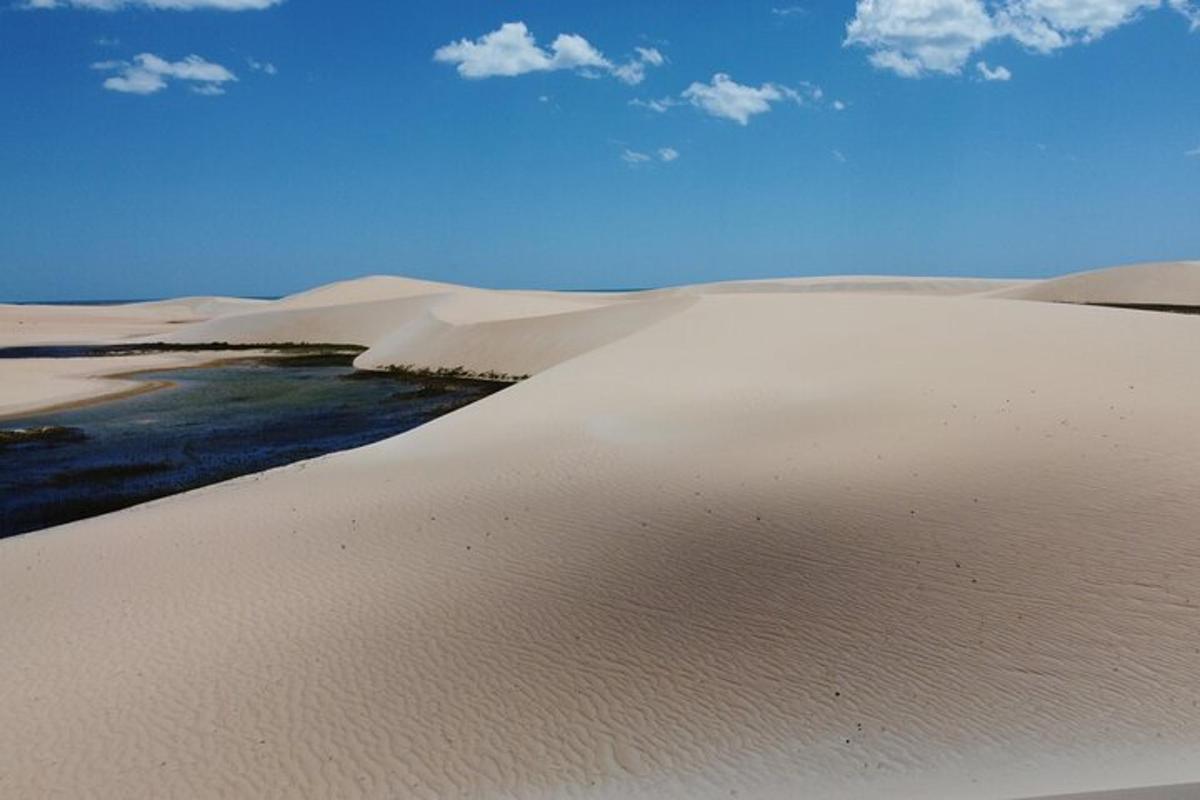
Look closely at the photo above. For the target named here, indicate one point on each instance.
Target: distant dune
(1169, 284)
(820, 538)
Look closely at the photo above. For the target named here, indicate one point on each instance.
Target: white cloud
(651, 56)
(1045, 25)
(789, 11)
(803, 93)
(911, 37)
(838, 105)
(1193, 153)
(572, 51)
(904, 66)
(633, 72)
(838, 156)
(1189, 9)
(997, 73)
(637, 157)
(265, 67)
(209, 89)
(148, 74)
(658, 106)
(511, 50)
(726, 98)
(170, 5)
(914, 38)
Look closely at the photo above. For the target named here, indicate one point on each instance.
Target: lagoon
(233, 418)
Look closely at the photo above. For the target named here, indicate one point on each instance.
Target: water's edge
(226, 418)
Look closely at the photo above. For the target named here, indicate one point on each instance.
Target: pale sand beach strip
(819, 538)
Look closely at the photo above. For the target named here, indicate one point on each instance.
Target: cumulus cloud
(728, 99)
(914, 38)
(1045, 25)
(997, 73)
(511, 50)
(634, 157)
(169, 5)
(667, 154)
(148, 74)
(911, 37)
(508, 51)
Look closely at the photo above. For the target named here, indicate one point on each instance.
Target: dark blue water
(215, 423)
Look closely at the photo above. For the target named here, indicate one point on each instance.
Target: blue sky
(258, 147)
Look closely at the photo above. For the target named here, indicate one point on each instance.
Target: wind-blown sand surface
(828, 539)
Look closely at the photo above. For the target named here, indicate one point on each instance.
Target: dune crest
(1173, 283)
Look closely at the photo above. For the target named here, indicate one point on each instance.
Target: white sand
(33, 385)
(1172, 283)
(37, 325)
(39, 384)
(856, 542)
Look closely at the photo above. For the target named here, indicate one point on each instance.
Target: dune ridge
(931, 541)
(1174, 283)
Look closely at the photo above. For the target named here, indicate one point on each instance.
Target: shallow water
(216, 423)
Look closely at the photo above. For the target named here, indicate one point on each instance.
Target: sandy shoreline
(45, 385)
(41, 385)
(777, 539)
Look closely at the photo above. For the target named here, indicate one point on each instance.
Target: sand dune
(1173, 283)
(27, 325)
(858, 284)
(360, 290)
(759, 542)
